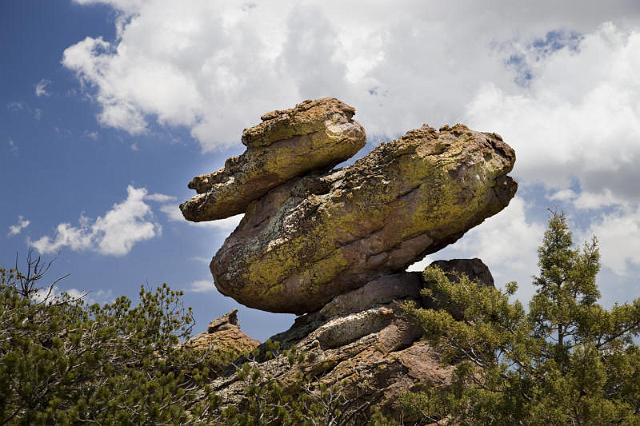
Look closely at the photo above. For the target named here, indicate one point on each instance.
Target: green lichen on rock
(305, 118)
(312, 239)
(313, 135)
(224, 339)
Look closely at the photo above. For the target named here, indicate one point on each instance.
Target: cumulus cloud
(215, 66)
(41, 88)
(160, 198)
(19, 226)
(201, 286)
(115, 233)
(578, 119)
(619, 236)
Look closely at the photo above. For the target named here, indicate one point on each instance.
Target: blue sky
(108, 108)
(57, 163)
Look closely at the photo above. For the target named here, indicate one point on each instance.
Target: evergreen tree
(567, 360)
(64, 362)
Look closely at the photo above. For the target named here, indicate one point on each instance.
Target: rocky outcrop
(311, 136)
(475, 269)
(223, 336)
(319, 236)
(310, 234)
(361, 341)
(334, 245)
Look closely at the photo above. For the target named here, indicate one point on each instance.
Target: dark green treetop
(567, 360)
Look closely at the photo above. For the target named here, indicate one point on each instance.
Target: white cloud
(579, 119)
(160, 198)
(115, 233)
(215, 66)
(91, 135)
(619, 236)
(54, 294)
(19, 226)
(563, 195)
(41, 88)
(201, 286)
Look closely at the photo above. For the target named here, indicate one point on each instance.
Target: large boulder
(318, 236)
(313, 135)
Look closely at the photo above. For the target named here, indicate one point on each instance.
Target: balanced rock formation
(313, 135)
(316, 237)
(310, 234)
(334, 245)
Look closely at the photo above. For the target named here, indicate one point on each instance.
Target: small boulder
(224, 338)
(314, 135)
(474, 268)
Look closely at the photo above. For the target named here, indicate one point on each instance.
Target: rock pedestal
(333, 244)
(362, 342)
(224, 336)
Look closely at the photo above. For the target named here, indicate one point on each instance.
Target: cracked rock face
(319, 236)
(313, 135)
(361, 341)
(334, 244)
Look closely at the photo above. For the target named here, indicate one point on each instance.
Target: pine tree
(567, 360)
(566, 288)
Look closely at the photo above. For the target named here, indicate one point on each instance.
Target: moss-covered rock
(316, 237)
(313, 135)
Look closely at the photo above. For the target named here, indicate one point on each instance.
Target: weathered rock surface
(363, 342)
(224, 336)
(334, 245)
(313, 135)
(318, 236)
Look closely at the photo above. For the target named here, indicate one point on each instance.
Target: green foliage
(64, 362)
(296, 399)
(567, 360)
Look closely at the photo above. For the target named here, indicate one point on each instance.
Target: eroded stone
(316, 237)
(314, 135)
(362, 342)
